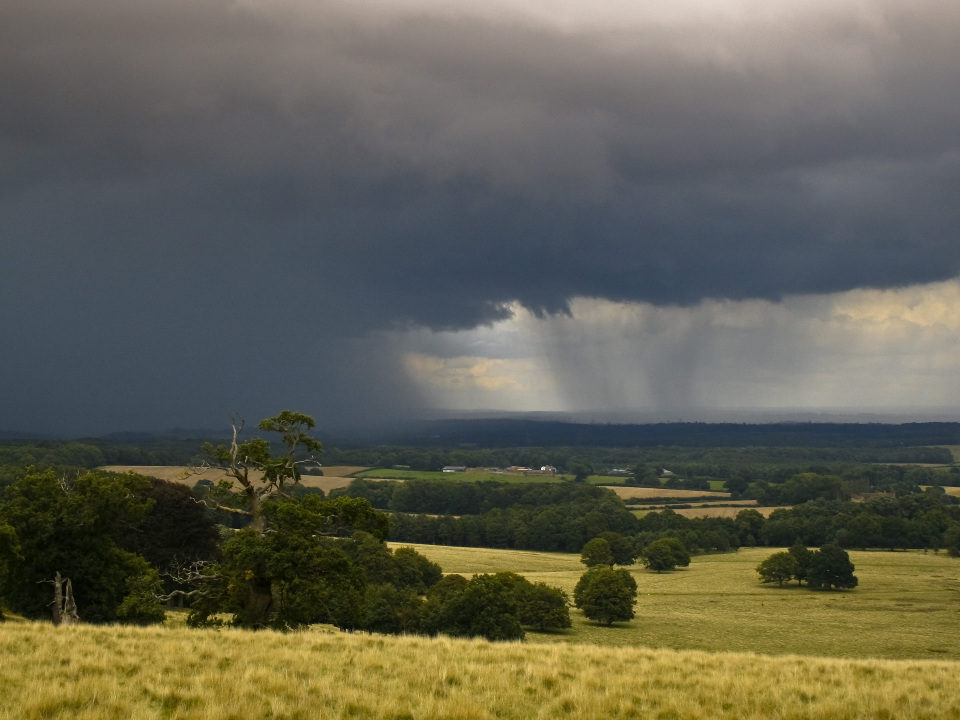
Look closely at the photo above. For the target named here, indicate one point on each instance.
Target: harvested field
(954, 491)
(730, 512)
(173, 473)
(92, 673)
(185, 475)
(641, 492)
(341, 470)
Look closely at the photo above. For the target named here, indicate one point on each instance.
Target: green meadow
(907, 605)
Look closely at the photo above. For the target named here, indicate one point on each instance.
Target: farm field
(92, 673)
(724, 512)
(906, 607)
(626, 493)
(385, 474)
(176, 473)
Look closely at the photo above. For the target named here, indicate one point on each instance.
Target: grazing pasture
(906, 606)
(129, 673)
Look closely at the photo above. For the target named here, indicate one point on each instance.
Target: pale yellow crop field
(906, 606)
(342, 470)
(174, 473)
(645, 492)
(114, 673)
(189, 476)
(727, 512)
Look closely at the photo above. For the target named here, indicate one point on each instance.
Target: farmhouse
(454, 468)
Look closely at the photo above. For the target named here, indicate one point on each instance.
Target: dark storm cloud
(208, 200)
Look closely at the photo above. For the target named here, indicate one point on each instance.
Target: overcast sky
(370, 208)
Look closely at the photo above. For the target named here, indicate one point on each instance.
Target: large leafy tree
(73, 527)
(665, 554)
(780, 567)
(596, 552)
(176, 528)
(830, 567)
(623, 548)
(485, 606)
(298, 573)
(260, 474)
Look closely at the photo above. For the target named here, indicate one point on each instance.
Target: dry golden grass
(173, 473)
(645, 492)
(98, 673)
(727, 512)
(187, 476)
(342, 470)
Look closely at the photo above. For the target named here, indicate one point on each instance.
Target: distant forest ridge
(503, 433)
(503, 442)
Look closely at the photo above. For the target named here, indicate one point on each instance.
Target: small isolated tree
(580, 471)
(830, 567)
(665, 554)
(804, 557)
(596, 552)
(262, 476)
(780, 567)
(606, 595)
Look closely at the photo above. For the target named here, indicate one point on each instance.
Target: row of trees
(440, 497)
(711, 459)
(826, 568)
(614, 549)
(923, 520)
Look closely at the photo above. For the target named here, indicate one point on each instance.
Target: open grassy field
(455, 477)
(105, 673)
(906, 606)
(954, 450)
(645, 492)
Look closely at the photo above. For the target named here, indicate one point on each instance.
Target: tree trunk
(57, 600)
(70, 616)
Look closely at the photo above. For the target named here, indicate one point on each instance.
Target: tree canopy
(830, 567)
(606, 595)
(780, 567)
(665, 554)
(74, 527)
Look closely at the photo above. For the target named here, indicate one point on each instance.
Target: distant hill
(500, 433)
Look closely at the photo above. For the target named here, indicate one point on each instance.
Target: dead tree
(250, 463)
(64, 607)
(193, 575)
